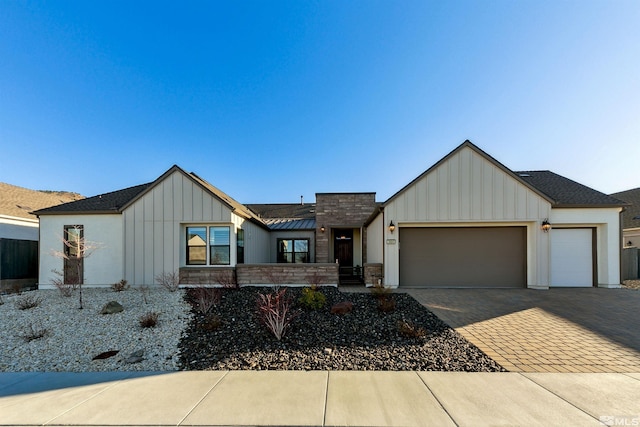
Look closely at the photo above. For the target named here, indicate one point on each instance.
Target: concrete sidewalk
(319, 398)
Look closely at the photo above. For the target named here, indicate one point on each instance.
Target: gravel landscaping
(71, 337)
(57, 336)
(232, 337)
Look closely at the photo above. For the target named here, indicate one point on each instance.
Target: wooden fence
(18, 263)
(630, 261)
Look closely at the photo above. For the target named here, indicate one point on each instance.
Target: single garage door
(485, 257)
(572, 255)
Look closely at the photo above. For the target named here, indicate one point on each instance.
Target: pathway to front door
(555, 330)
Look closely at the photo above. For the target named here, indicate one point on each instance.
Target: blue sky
(272, 100)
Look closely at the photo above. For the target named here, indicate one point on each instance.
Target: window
(293, 250)
(219, 246)
(208, 245)
(240, 247)
(73, 235)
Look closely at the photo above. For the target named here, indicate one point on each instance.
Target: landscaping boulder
(111, 307)
(343, 307)
(135, 357)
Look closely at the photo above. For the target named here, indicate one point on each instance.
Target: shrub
(315, 280)
(386, 305)
(28, 301)
(204, 299)
(275, 312)
(410, 330)
(380, 291)
(144, 291)
(312, 299)
(34, 333)
(66, 289)
(169, 280)
(211, 322)
(149, 320)
(120, 286)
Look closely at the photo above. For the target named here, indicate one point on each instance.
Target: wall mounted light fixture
(322, 228)
(392, 226)
(546, 225)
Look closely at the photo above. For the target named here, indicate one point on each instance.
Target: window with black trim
(240, 247)
(293, 250)
(208, 245)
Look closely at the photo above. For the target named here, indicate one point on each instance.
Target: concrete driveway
(555, 330)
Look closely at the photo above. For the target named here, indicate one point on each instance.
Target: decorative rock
(137, 353)
(106, 354)
(112, 307)
(342, 308)
(135, 357)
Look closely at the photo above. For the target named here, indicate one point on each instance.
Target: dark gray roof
(631, 215)
(104, 203)
(285, 224)
(284, 210)
(565, 192)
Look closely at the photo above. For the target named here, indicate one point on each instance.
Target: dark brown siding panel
(491, 257)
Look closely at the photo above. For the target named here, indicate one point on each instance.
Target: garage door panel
(463, 257)
(572, 257)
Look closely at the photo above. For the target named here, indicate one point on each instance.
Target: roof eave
(100, 212)
(585, 205)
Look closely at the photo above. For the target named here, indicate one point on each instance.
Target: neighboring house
(467, 221)
(19, 232)
(630, 217)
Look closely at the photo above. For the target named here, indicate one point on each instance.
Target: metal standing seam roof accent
(285, 224)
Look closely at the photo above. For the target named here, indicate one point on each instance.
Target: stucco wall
(103, 267)
(606, 222)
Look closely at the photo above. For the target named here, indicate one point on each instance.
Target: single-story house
(19, 232)
(467, 221)
(630, 217)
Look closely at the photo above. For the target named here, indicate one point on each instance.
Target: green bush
(312, 299)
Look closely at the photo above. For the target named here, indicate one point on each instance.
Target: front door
(343, 247)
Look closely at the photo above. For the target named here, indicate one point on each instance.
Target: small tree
(76, 249)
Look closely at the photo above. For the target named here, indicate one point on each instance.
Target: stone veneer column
(341, 210)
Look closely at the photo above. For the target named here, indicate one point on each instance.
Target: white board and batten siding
(155, 227)
(375, 240)
(102, 267)
(256, 241)
(464, 190)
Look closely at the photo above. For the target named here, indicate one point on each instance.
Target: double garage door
(490, 257)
